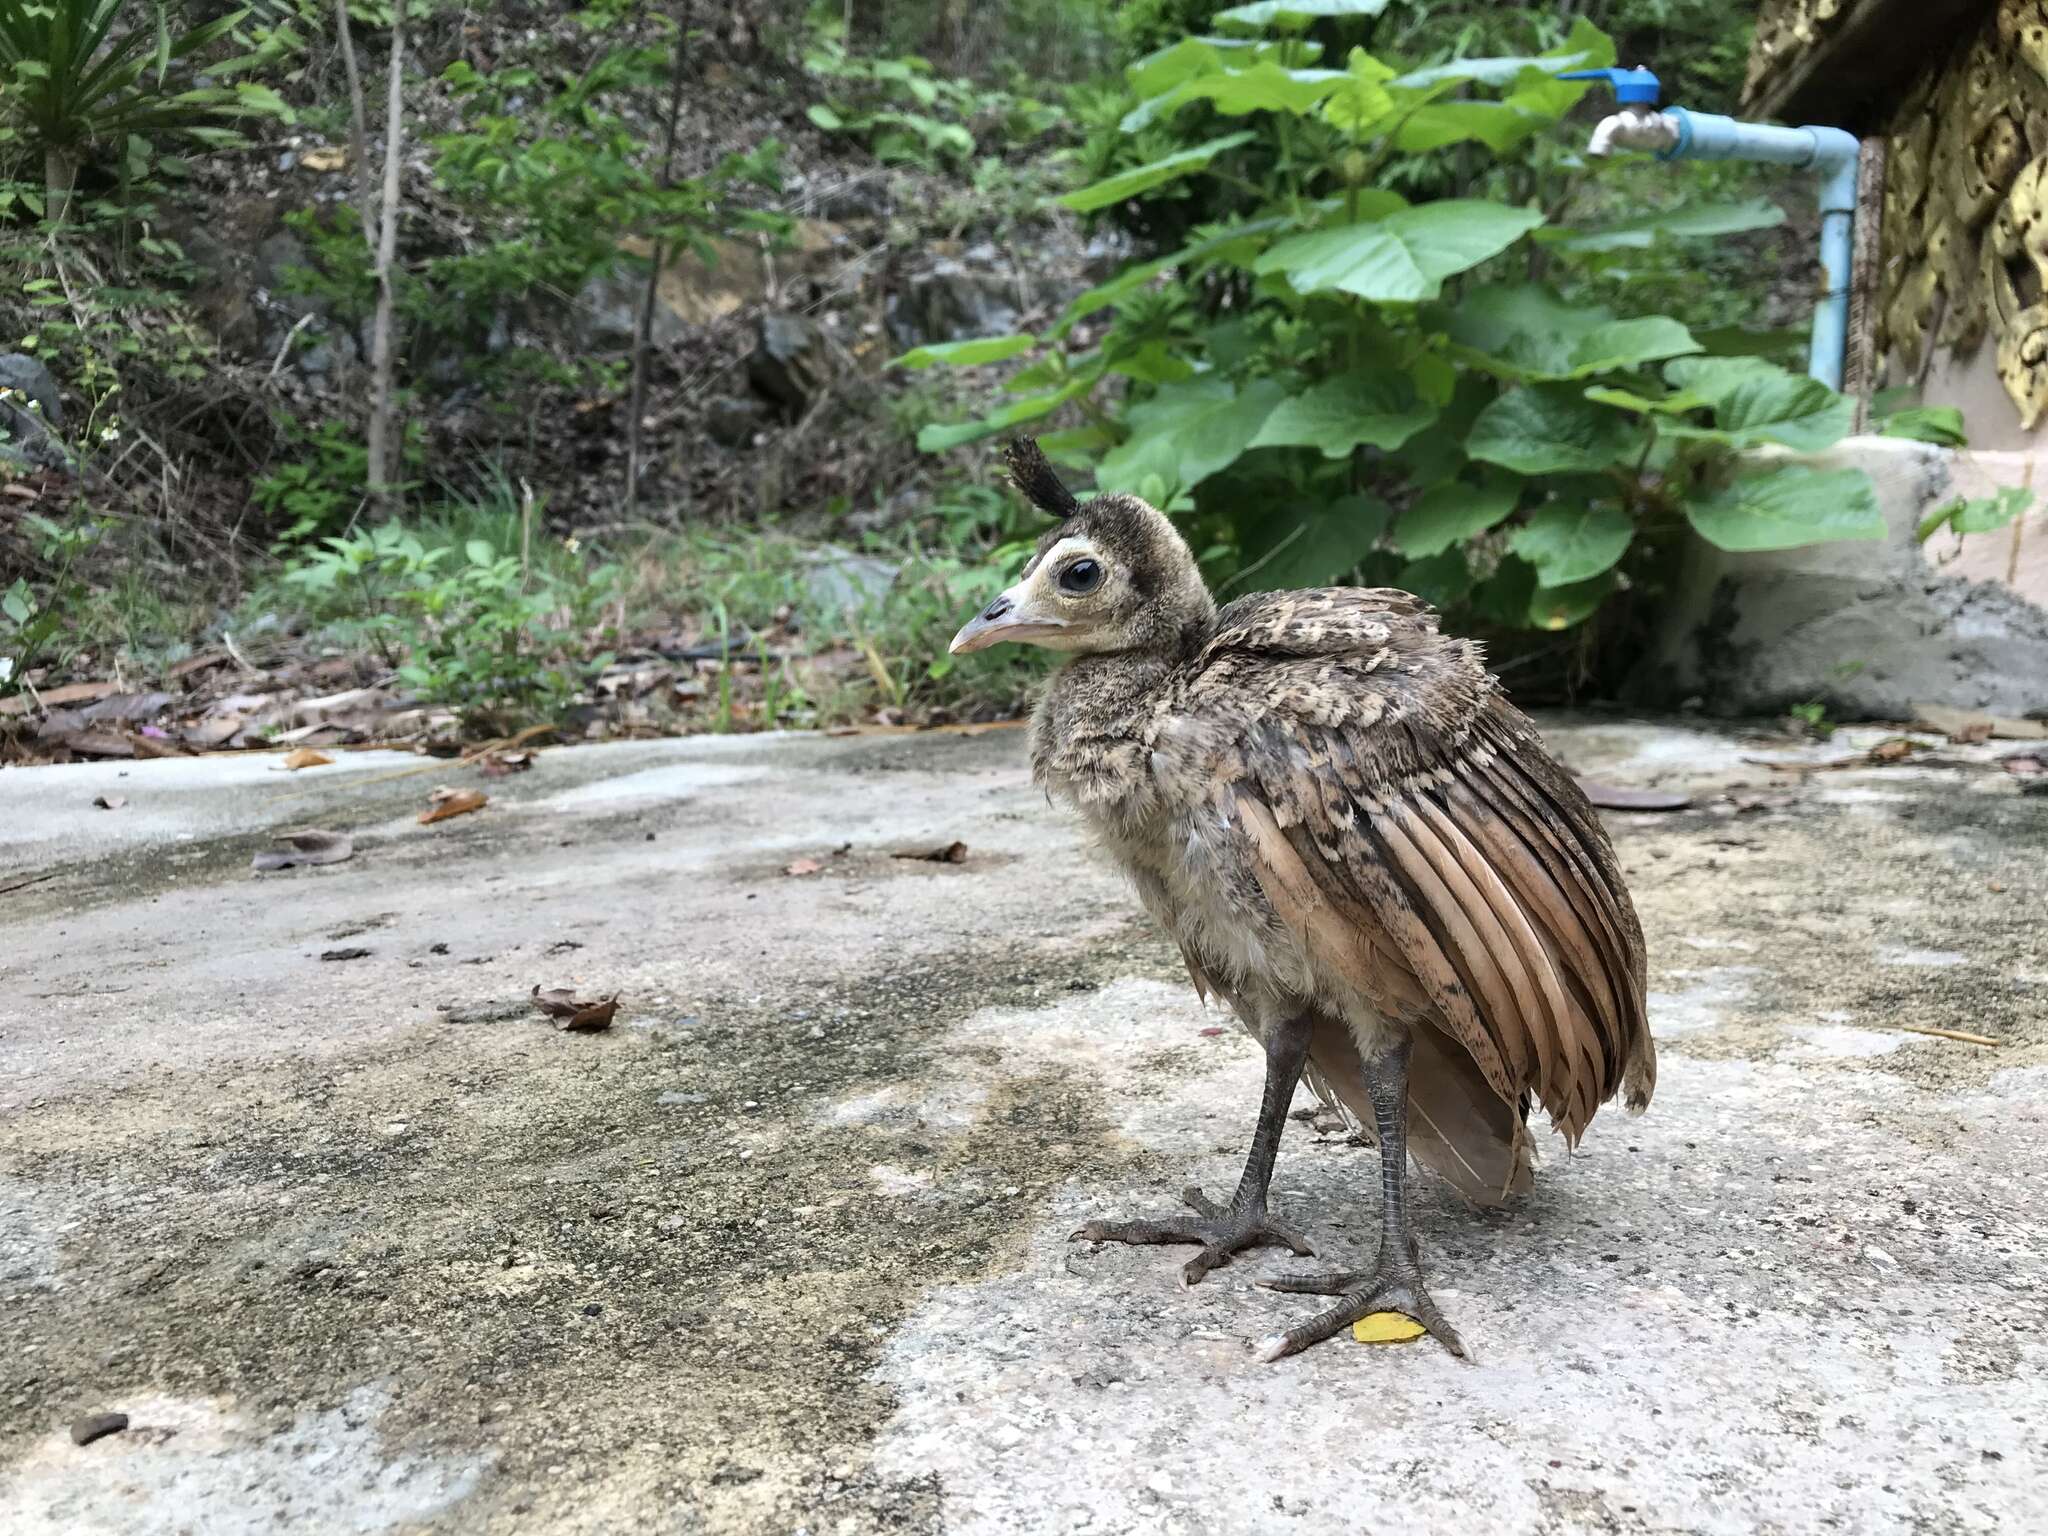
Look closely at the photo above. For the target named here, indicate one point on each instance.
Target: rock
(31, 413)
(951, 301)
(97, 1426)
(845, 582)
(790, 364)
(734, 422)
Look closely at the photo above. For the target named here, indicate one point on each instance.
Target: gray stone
(791, 362)
(951, 301)
(606, 313)
(31, 413)
(846, 582)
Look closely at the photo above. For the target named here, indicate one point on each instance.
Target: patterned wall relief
(1785, 29)
(1965, 241)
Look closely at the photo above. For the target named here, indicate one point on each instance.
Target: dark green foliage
(1350, 367)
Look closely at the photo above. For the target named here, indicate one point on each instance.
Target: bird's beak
(1010, 617)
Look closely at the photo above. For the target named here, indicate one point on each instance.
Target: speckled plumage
(1334, 810)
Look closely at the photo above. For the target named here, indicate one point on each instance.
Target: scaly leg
(1395, 1283)
(1224, 1230)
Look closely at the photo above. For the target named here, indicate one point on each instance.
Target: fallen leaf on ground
(1386, 1328)
(51, 698)
(495, 765)
(573, 1013)
(344, 954)
(952, 853)
(305, 757)
(453, 802)
(1894, 749)
(324, 159)
(1619, 797)
(802, 867)
(305, 845)
(97, 1426)
(109, 802)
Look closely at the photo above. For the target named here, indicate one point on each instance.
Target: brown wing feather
(1407, 823)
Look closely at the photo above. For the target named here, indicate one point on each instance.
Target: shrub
(1330, 378)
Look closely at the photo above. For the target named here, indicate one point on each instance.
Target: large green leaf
(1700, 222)
(1296, 13)
(1361, 99)
(1541, 92)
(1162, 70)
(1545, 429)
(1494, 71)
(1404, 256)
(1264, 87)
(1755, 401)
(1787, 507)
(1572, 542)
(1188, 431)
(1443, 580)
(966, 354)
(1942, 424)
(1453, 512)
(1142, 178)
(1495, 124)
(1339, 414)
(1562, 607)
(1525, 331)
(1311, 543)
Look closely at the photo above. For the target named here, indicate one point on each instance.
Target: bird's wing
(1407, 824)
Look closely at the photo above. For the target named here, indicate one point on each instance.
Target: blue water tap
(1632, 87)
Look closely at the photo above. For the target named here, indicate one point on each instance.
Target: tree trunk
(382, 455)
(61, 165)
(358, 126)
(643, 324)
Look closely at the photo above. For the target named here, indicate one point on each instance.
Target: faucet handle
(1632, 87)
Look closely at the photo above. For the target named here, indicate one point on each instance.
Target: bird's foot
(1395, 1285)
(1221, 1230)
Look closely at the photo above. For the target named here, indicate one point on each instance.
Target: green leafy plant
(903, 110)
(1334, 378)
(93, 76)
(38, 617)
(482, 629)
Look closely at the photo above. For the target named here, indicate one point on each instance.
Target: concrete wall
(1873, 628)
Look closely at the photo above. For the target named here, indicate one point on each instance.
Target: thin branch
(381, 457)
(358, 127)
(643, 323)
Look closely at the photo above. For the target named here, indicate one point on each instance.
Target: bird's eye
(1080, 577)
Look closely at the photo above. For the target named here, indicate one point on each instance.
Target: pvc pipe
(1832, 153)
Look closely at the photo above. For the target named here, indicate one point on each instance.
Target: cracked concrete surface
(367, 1246)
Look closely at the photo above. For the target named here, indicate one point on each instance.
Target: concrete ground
(366, 1245)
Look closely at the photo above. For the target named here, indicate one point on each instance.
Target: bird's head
(1112, 575)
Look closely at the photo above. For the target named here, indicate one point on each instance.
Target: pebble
(97, 1426)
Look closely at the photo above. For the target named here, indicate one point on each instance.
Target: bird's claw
(1392, 1287)
(1221, 1230)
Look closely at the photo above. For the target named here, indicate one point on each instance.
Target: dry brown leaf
(305, 845)
(51, 698)
(325, 159)
(952, 853)
(1894, 749)
(305, 757)
(356, 952)
(802, 867)
(452, 802)
(1619, 797)
(109, 802)
(496, 765)
(574, 1014)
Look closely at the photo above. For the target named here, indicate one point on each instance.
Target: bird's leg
(1395, 1283)
(1225, 1229)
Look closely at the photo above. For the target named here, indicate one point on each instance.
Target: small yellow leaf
(1386, 1328)
(324, 159)
(305, 757)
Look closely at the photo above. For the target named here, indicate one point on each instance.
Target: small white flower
(110, 434)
